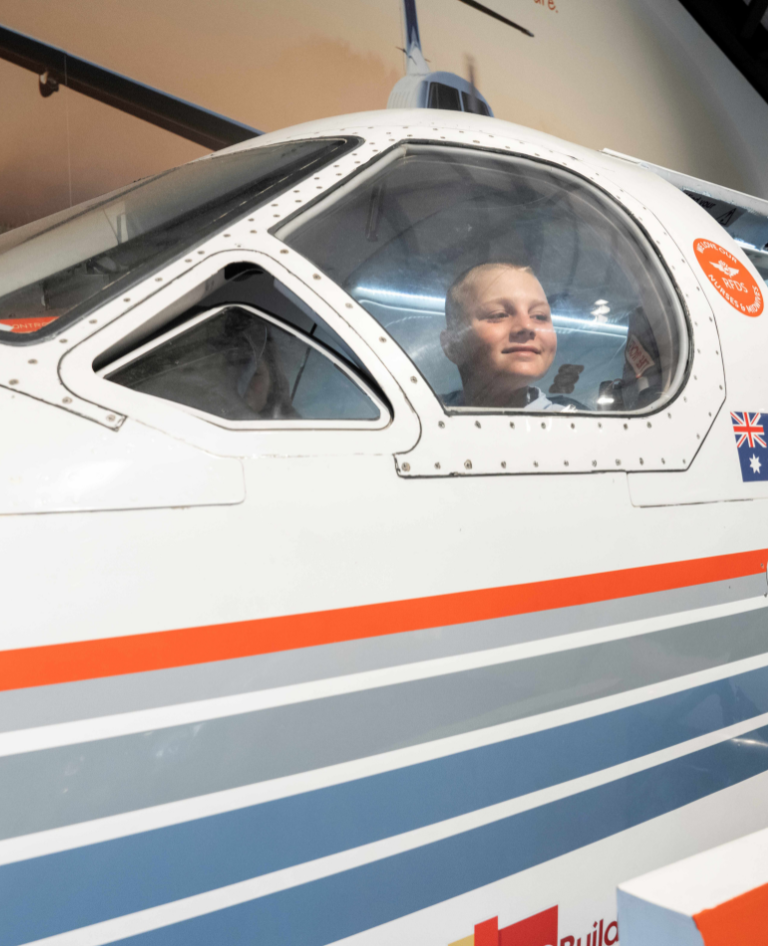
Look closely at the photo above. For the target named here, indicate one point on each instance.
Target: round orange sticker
(731, 279)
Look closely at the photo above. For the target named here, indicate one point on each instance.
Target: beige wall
(634, 75)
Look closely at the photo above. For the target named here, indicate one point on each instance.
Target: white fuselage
(274, 683)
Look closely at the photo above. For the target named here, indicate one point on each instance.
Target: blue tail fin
(416, 63)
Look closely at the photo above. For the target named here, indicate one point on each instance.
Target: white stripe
(122, 724)
(73, 836)
(143, 921)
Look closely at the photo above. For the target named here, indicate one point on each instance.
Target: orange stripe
(84, 660)
(741, 920)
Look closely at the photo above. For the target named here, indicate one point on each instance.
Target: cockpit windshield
(55, 270)
(510, 283)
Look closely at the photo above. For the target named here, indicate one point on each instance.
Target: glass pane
(511, 284)
(760, 260)
(248, 284)
(480, 108)
(443, 96)
(55, 270)
(238, 366)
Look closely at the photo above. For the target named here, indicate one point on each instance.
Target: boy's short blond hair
(462, 286)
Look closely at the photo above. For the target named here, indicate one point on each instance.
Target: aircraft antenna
(474, 105)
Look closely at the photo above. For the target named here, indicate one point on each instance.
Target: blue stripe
(59, 892)
(327, 910)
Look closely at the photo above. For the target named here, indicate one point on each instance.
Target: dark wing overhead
(57, 67)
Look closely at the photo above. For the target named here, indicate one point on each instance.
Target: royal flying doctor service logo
(731, 279)
(751, 444)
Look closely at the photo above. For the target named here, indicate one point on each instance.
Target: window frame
(397, 427)
(422, 440)
(277, 424)
(666, 438)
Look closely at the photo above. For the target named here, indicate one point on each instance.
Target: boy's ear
(448, 343)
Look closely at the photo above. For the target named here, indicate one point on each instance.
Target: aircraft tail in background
(416, 64)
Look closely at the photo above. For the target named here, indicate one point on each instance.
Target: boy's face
(504, 338)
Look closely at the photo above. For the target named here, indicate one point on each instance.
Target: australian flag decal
(751, 440)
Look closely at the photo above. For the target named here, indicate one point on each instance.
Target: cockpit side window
(250, 350)
(760, 260)
(478, 105)
(236, 364)
(444, 96)
(512, 284)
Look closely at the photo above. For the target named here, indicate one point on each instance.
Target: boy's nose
(522, 326)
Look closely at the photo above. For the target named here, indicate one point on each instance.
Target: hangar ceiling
(739, 29)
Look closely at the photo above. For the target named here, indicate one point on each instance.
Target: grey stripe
(60, 786)
(40, 706)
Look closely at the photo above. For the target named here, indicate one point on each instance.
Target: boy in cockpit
(499, 334)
